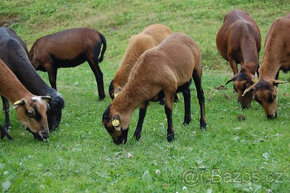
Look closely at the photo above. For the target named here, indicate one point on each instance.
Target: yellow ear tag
(115, 95)
(17, 102)
(115, 122)
(255, 80)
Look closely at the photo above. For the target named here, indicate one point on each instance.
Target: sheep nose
(45, 134)
(272, 116)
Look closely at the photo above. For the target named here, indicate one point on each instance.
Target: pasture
(232, 155)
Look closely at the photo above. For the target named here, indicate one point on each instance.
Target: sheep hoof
(186, 121)
(203, 126)
(170, 137)
(137, 136)
(8, 127)
(101, 98)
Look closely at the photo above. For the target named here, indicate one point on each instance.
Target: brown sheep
(239, 41)
(276, 57)
(31, 109)
(70, 48)
(151, 36)
(166, 68)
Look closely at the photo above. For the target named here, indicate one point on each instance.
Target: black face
(118, 136)
(55, 112)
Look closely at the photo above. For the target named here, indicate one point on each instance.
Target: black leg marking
(187, 107)
(6, 110)
(142, 113)
(4, 133)
(52, 73)
(99, 78)
(170, 131)
(200, 96)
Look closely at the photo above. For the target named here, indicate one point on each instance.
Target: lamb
(151, 36)
(13, 52)
(166, 68)
(70, 48)
(239, 41)
(31, 109)
(276, 57)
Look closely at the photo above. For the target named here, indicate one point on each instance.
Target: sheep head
(32, 113)
(112, 123)
(242, 81)
(266, 94)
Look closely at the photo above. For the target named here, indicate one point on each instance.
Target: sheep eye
(29, 114)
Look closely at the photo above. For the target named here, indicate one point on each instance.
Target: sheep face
(32, 114)
(242, 81)
(266, 94)
(112, 123)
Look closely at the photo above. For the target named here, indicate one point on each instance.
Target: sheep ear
(232, 79)
(116, 122)
(47, 98)
(18, 103)
(253, 87)
(276, 82)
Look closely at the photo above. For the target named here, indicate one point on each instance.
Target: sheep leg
(169, 97)
(142, 113)
(233, 65)
(200, 95)
(186, 97)
(6, 110)
(99, 78)
(4, 132)
(52, 73)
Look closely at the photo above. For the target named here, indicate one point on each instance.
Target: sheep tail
(104, 42)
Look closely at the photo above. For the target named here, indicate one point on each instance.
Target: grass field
(230, 156)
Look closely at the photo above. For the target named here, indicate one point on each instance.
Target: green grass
(231, 156)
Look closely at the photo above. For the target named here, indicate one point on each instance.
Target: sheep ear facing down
(18, 103)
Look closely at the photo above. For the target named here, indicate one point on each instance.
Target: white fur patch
(37, 98)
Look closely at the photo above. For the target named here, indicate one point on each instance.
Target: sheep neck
(11, 88)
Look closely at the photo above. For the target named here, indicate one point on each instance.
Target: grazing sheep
(13, 52)
(166, 68)
(239, 41)
(150, 37)
(31, 109)
(70, 48)
(276, 57)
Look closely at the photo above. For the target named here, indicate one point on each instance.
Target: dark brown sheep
(166, 68)
(239, 42)
(70, 48)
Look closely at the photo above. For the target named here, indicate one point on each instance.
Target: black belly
(70, 63)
